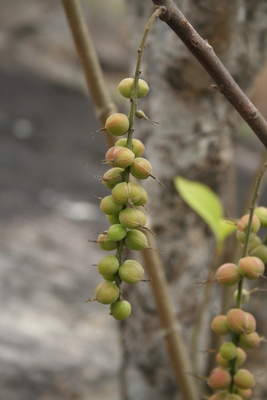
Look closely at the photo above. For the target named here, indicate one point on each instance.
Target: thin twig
(204, 53)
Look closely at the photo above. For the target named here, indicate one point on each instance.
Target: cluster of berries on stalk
(121, 207)
(229, 379)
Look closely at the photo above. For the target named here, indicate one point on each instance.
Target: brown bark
(194, 140)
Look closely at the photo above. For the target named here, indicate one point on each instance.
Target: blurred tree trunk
(194, 140)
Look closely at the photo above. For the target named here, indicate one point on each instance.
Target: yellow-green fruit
(126, 85)
(219, 325)
(240, 321)
(245, 394)
(117, 124)
(131, 272)
(112, 177)
(222, 361)
(117, 232)
(110, 278)
(120, 310)
(241, 236)
(135, 240)
(251, 267)
(228, 351)
(241, 357)
(141, 168)
(244, 297)
(106, 292)
(219, 379)
(127, 192)
(143, 199)
(243, 223)
(132, 218)
(108, 265)
(261, 213)
(109, 206)
(249, 340)
(113, 219)
(118, 156)
(105, 243)
(260, 252)
(138, 147)
(227, 274)
(244, 379)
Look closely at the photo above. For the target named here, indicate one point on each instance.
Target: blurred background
(52, 344)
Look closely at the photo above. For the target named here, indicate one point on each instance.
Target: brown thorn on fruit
(95, 132)
(206, 281)
(149, 230)
(90, 300)
(96, 197)
(156, 179)
(151, 248)
(98, 177)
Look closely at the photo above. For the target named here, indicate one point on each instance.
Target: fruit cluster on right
(230, 380)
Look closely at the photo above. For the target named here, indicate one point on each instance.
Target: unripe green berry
(143, 199)
(113, 219)
(251, 267)
(132, 218)
(105, 243)
(112, 177)
(260, 252)
(244, 297)
(110, 278)
(228, 351)
(243, 223)
(120, 310)
(244, 379)
(131, 272)
(118, 156)
(108, 265)
(141, 168)
(240, 321)
(241, 357)
(227, 274)
(135, 240)
(219, 379)
(249, 340)
(138, 147)
(117, 232)
(222, 361)
(241, 236)
(109, 206)
(261, 213)
(117, 124)
(106, 292)
(126, 86)
(219, 325)
(127, 192)
(245, 394)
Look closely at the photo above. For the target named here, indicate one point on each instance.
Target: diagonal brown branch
(205, 55)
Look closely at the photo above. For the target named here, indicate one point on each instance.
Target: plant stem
(206, 56)
(90, 63)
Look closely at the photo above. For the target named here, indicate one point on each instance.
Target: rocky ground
(54, 346)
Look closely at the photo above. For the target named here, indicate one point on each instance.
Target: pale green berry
(131, 272)
(108, 265)
(109, 206)
(138, 147)
(244, 379)
(228, 351)
(244, 297)
(127, 192)
(118, 156)
(117, 124)
(105, 243)
(112, 177)
(228, 274)
(120, 310)
(135, 240)
(106, 292)
(126, 86)
(117, 232)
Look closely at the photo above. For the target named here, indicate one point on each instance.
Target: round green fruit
(228, 351)
(105, 243)
(141, 168)
(117, 124)
(132, 218)
(106, 292)
(109, 206)
(112, 177)
(118, 156)
(251, 267)
(117, 232)
(138, 147)
(120, 310)
(131, 272)
(108, 265)
(228, 274)
(135, 240)
(126, 86)
(244, 379)
(127, 192)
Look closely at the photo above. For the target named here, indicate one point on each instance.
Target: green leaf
(203, 201)
(226, 228)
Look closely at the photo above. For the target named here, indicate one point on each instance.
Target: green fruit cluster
(228, 377)
(122, 209)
